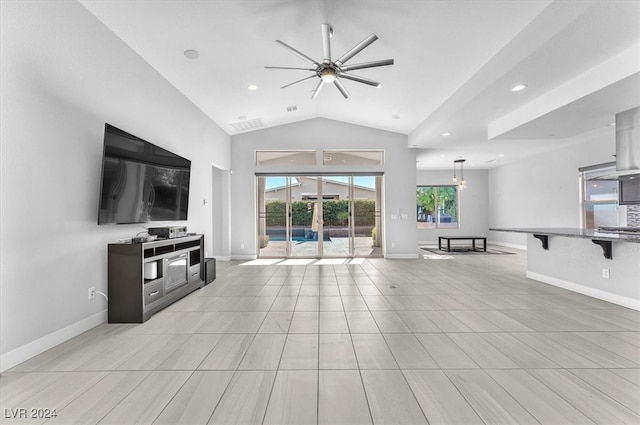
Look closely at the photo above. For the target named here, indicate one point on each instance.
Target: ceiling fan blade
(296, 82)
(360, 79)
(317, 90)
(288, 67)
(298, 53)
(357, 49)
(340, 87)
(363, 65)
(326, 42)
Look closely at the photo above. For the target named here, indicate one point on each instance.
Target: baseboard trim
(244, 257)
(585, 290)
(510, 245)
(40, 345)
(422, 243)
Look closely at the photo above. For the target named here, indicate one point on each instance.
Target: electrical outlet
(241, 246)
(393, 244)
(605, 273)
(91, 294)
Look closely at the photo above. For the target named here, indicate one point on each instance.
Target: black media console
(146, 277)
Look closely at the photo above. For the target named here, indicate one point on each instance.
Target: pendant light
(462, 184)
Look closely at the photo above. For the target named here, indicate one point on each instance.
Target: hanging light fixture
(462, 184)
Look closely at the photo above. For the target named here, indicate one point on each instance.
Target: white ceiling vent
(247, 124)
(292, 108)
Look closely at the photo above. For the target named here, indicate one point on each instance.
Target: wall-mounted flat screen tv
(141, 182)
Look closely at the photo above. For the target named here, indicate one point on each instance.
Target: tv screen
(141, 182)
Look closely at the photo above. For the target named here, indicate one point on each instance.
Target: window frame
(437, 224)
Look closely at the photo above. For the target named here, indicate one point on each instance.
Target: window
(437, 207)
(599, 197)
(281, 158)
(352, 157)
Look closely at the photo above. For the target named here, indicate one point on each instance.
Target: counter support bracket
(544, 239)
(606, 248)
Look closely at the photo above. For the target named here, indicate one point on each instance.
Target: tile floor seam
(560, 395)
(513, 397)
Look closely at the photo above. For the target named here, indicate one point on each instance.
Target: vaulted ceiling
(455, 65)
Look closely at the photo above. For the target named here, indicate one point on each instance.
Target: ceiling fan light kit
(328, 75)
(333, 71)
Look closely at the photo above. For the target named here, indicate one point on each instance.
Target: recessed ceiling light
(519, 87)
(252, 87)
(242, 118)
(442, 155)
(445, 134)
(500, 155)
(395, 117)
(191, 54)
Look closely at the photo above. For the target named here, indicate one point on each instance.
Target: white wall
(473, 204)
(63, 76)
(543, 190)
(399, 176)
(576, 264)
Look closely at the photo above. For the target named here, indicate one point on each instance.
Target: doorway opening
(319, 216)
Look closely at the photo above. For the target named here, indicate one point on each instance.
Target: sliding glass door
(367, 223)
(337, 193)
(312, 216)
(305, 218)
(273, 223)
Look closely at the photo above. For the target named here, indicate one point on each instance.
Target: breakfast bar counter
(598, 237)
(570, 258)
(578, 233)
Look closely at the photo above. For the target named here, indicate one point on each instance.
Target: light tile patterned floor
(463, 340)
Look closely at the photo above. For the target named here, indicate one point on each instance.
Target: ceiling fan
(330, 71)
